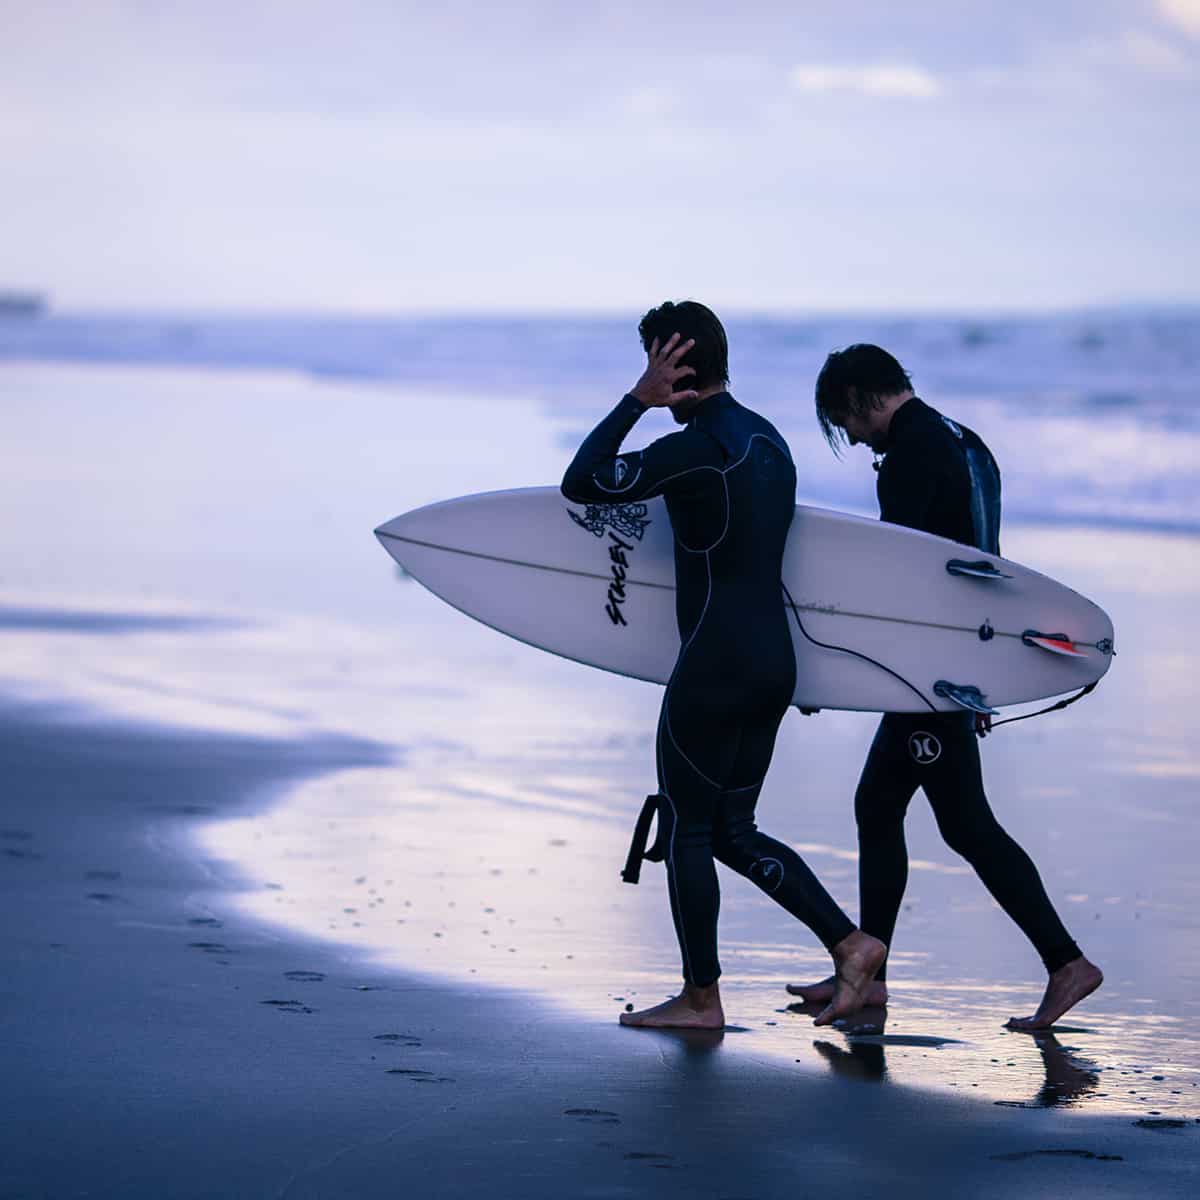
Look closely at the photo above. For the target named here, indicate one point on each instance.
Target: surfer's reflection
(1068, 1077)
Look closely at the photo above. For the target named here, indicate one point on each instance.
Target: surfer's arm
(601, 474)
(906, 486)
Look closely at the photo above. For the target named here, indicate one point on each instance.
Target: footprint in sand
(210, 947)
(592, 1116)
(293, 1006)
(17, 852)
(1161, 1123)
(415, 1076)
(103, 897)
(207, 922)
(649, 1156)
(1021, 1155)
(406, 1040)
(304, 976)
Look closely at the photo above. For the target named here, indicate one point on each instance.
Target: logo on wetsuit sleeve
(924, 747)
(767, 873)
(619, 521)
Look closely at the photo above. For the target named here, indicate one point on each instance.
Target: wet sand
(159, 1042)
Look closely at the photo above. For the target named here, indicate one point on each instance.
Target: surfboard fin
(1056, 643)
(975, 570)
(964, 694)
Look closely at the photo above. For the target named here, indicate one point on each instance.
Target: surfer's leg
(881, 801)
(685, 816)
(738, 842)
(775, 867)
(784, 876)
(954, 785)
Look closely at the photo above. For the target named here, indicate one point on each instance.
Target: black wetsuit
(940, 477)
(729, 486)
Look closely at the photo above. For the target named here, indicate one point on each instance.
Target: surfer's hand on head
(656, 388)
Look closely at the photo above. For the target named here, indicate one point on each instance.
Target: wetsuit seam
(678, 663)
(725, 482)
(618, 490)
(748, 787)
(683, 755)
(662, 482)
(672, 883)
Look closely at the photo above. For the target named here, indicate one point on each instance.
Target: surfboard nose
(390, 529)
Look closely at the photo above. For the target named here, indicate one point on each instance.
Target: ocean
(1092, 415)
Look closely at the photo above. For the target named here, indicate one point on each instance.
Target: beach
(160, 1042)
(312, 883)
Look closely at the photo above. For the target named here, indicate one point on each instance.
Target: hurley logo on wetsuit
(924, 747)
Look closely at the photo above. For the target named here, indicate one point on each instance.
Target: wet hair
(852, 381)
(709, 357)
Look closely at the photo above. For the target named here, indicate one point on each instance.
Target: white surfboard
(882, 618)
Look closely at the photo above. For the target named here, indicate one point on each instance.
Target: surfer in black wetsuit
(729, 485)
(938, 476)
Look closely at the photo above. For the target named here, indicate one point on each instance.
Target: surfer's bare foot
(856, 958)
(821, 993)
(693, 1008)
(1065, 988)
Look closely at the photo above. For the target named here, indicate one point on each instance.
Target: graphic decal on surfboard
(629, 520)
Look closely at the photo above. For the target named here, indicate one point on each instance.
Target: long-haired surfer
(938, 476)
(729, 485)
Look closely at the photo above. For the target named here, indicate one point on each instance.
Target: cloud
(886, 80)
(1183, 14)
(1153, 55)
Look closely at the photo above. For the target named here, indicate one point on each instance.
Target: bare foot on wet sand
(1065, 988)
(821, 993)
(856, 958)
(693, 1008)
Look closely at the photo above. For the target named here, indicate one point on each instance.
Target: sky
(535, 156)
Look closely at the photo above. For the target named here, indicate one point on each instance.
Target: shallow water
(211, 565)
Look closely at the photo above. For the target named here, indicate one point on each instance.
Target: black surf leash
(857, 654)
(1041, 712)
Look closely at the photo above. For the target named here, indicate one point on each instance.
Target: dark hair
(853, 380)
(709, 357)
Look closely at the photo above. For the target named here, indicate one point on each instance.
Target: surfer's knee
(685, 822)
(972, 837)
(732, 838)
(875, 814)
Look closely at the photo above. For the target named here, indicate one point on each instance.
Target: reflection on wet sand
(1069, 1078)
